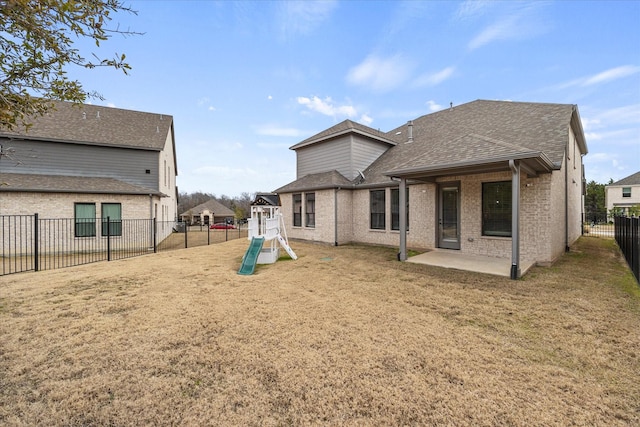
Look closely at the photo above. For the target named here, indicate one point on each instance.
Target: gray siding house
(490, 178)
(87, 160)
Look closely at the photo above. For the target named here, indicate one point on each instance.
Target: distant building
(623, 194)
(209, 212)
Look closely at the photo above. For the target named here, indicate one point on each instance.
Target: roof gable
(342, 128)
(213, 206)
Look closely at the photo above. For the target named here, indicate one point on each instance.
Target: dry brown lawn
(342, 336)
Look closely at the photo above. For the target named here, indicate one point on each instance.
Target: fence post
(186, 231)
(36, 243)
(108, 238)
(154, 226)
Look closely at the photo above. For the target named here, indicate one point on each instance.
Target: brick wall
(61, 205)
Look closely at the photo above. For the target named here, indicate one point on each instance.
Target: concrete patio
(454, 259)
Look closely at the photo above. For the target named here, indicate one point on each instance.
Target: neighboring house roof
(630, 180)
(342, 128)
(213, 206)
(69, 184)
(98, 125)
(317, 181)
(266, 199)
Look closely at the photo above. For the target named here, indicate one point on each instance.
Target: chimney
(410, 131)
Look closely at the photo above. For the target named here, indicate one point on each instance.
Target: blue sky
(244, 81)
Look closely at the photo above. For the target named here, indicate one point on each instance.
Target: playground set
(265, 226)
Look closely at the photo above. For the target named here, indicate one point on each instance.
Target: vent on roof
(157, 129)
(410, 131)
(97, 114)
(160, 116)
(84, 115)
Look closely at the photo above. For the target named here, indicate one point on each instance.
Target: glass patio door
(449, 216)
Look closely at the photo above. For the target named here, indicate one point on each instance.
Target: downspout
(151, 233)
(335, 216)
(402, 201)
(515, 219)
(566, 198)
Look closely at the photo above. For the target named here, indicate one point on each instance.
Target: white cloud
(602, 77)
(271, 130)
(519, 22)
(365, 119)
(433, 79)
(303, 17)
(611, 74)
(473, 8)
(381, 74)
(327, 107)
(433, 106)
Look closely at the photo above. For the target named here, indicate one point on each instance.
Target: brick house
(209, 212)
(623, 194)
(492, 178)
(87, 161)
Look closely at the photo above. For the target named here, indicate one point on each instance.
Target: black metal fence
(627, 234)
(30, 243)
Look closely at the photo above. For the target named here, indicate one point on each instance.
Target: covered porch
(448, 238)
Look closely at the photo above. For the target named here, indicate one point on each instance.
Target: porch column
(515, 219)
(402, 201)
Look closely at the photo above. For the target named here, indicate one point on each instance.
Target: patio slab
(454, 259)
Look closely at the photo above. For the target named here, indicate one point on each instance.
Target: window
(376, 198)
(626, 191)
(496, 209)
(310, 210)
(85, 219)
(113, 211)
(395, 209)
(297, 210)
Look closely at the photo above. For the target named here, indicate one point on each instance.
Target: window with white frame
(626, 191)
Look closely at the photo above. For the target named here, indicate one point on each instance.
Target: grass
(342, 336)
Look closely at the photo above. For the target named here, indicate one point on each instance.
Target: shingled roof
(481, 133)
(317, 181)
(213, 206)
(630, 180)
(98, 125)
(70, 184)
(346, 126)
(478, 136)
